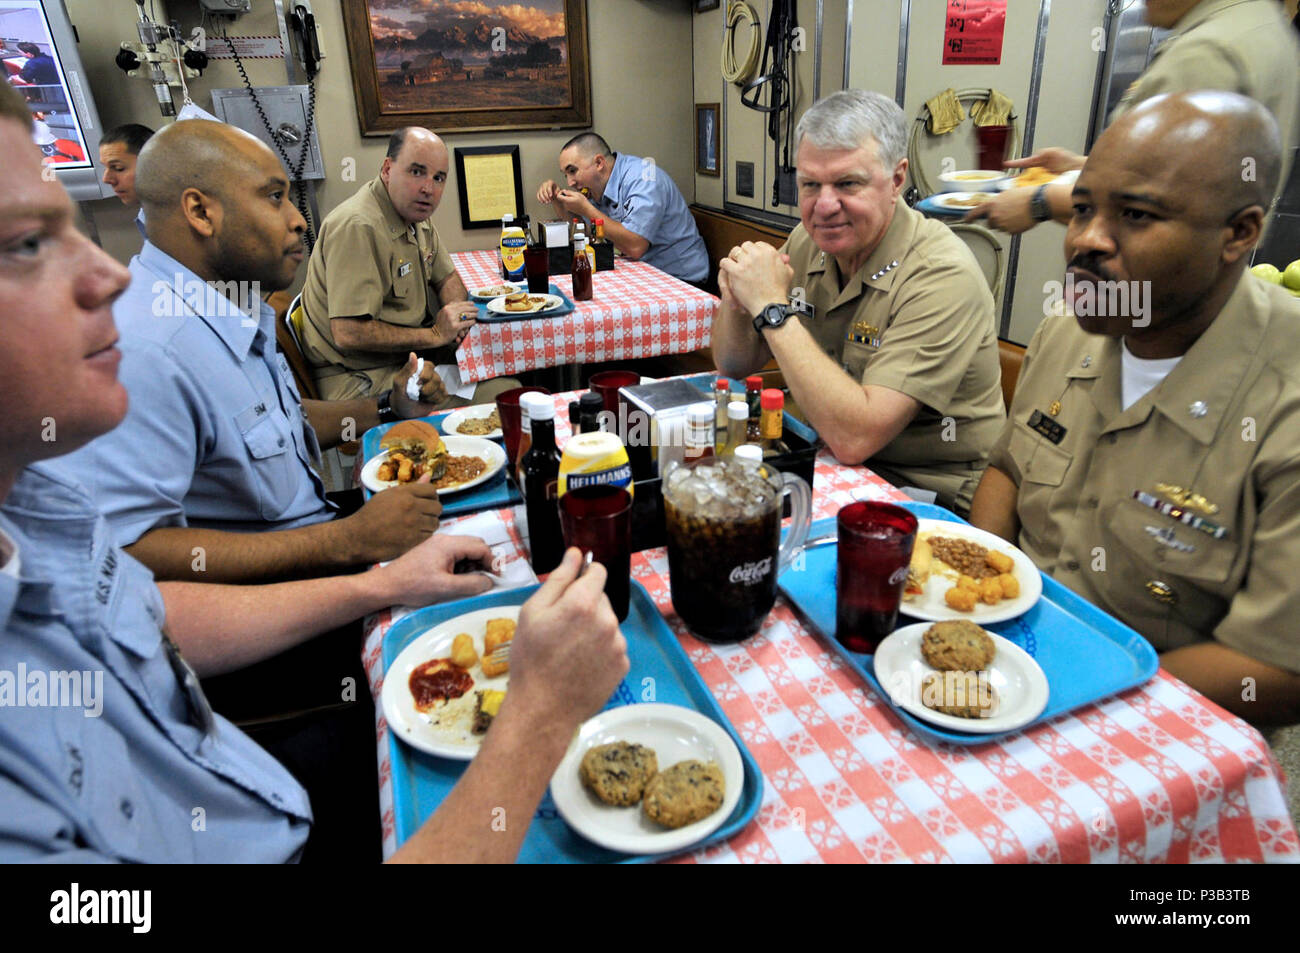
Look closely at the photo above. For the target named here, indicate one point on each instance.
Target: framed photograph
(489, 185)
(702, 5)
(706, 139)
(439, 64)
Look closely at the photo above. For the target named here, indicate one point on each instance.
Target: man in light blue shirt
(108, 748)
(645, 215)
(213, 470)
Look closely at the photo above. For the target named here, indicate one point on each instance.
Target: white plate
(458, 417)
(517, 285)
(953, 200)
(445, 730)
(676, 734)
(498, 306)
(930, 605)
(456, 447)
(1017, 680)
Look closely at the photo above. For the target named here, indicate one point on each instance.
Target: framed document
(489, 184)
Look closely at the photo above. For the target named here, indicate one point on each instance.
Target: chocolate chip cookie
(685, 793)
(962, 694)
(957, 645)
(618, 772)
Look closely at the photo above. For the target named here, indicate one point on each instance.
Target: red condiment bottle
(581, 271)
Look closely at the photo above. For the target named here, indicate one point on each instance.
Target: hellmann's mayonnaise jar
(594, 458)
(513, 241)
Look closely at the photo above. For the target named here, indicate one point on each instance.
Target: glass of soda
(598, 520)
(723, 520)
(536, 259)
(875, 548)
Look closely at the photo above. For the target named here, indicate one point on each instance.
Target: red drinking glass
(875, 548)
(508, 409)
(598, 520)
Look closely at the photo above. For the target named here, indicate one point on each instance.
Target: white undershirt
(1141, 376)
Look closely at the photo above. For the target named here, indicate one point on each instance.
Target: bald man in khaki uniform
(1149, 459)
(381, 284)
(893, 357)
(1239, 46)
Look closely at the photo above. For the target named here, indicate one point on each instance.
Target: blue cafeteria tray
(492, 495)
(1086, 654)
(421, 781)
(487, 317)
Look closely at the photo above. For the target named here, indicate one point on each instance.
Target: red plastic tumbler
(875, 548)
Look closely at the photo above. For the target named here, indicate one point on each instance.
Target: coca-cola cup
(875, 548)
(508, 410)
(723, 521)
(598, 520)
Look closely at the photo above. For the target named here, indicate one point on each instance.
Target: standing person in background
(1238, 46)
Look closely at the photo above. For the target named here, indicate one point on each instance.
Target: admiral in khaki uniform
(1149, 460)
(894, 356)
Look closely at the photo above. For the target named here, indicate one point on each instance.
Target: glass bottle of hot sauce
(754, 400)
(722, 397)
(541, 473)
(581, 271)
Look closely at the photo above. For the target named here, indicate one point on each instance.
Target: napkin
(450, 374)
(513, 569)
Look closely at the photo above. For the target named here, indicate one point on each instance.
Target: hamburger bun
(518, 302)
(420, 441)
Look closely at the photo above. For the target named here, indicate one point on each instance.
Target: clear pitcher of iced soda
(724, 542)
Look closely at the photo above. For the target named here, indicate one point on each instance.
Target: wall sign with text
(972, 32)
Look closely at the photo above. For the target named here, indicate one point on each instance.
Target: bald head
(1224, 145)
(212, 157)
(217, 200)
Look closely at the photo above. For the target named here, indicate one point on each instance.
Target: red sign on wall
(972, 32)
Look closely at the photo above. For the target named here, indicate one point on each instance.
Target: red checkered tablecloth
(1158, 773)
(636, 311)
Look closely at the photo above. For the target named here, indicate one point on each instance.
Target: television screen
(38, 55)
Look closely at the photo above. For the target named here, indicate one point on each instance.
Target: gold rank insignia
(1054, 408)
(864, 332)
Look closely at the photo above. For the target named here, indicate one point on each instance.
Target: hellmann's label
(513, 241)
(593, 459)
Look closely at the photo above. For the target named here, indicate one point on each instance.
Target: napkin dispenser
(656, 418)
(559, 249)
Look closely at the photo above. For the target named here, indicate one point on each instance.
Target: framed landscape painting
(468, 65)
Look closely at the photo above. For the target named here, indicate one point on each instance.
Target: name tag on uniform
(404, 270)
(1047, 426)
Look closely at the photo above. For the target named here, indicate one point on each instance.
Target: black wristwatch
(1039, 208)
(773, 316)
(386, 412)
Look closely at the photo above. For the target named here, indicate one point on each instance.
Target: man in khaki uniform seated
(1240, 46)
(893, 357)
(1149, 462)
(380, 283)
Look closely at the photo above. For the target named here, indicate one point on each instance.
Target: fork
(501, 653)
